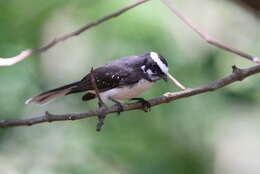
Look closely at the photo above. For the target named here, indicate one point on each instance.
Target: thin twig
(101, 103)
(94, 84)
(236, 75)
(16, 59)
(27, 53)
(176, 82)
(204, 35)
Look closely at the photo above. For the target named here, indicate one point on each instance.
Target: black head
(155, 66)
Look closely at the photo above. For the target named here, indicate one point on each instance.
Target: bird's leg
(145, 103)
(119, 105)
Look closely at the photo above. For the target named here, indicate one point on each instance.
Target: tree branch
(94, 84)
(101, 103)
(204, 35)
(27, 53)
(236, 75)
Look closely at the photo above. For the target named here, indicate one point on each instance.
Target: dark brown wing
(107, 77)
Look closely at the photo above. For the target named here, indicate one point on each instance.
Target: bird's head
(155, 66)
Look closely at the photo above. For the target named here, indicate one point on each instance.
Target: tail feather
(48, 96)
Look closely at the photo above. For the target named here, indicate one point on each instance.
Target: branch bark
(204, 35)
(101, 103)
(27, 53)
(236, 75)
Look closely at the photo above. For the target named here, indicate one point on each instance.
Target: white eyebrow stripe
(156, 58)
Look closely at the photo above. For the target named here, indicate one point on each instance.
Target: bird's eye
(154, 67)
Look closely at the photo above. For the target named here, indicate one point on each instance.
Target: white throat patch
(156, 58)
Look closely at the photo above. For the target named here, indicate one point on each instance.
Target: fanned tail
(48, 96)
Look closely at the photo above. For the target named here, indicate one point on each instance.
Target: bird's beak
(176, 82)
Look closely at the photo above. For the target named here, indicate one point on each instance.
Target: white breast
(128, 92)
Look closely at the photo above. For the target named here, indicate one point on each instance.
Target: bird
(118, 81)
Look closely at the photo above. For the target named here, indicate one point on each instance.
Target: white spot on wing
(156, 58)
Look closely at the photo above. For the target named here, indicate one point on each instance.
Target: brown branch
(236, 75)
(16, 59)
(204, 35)
(94, 84)
(27, 53)
(101, 104)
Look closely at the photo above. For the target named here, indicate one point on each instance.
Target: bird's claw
(145, 103)
(120, 108)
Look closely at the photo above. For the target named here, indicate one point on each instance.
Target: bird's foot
(118, 104)
(120, 108)
(145, 103)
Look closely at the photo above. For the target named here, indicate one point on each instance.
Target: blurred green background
(211, 133)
